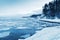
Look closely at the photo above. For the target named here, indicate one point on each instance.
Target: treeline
(52, 9)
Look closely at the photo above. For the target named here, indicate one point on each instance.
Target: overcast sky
(20, 7)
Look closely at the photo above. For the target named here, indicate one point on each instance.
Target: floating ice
(4, 34)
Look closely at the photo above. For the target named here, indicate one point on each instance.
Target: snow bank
(52, 20)
(52, 33)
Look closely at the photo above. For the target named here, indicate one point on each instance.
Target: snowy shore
(50, 33)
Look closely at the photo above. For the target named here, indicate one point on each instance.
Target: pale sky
(20, 7)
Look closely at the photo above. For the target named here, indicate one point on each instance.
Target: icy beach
(51, 33)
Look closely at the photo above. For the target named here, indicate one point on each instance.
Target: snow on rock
(50, 33)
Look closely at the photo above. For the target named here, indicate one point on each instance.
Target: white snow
(50, 33)
(22, 28)
(52, 20)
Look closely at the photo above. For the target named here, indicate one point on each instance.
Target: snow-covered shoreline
(50, 33)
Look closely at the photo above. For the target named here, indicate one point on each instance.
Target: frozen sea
(29, 29)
